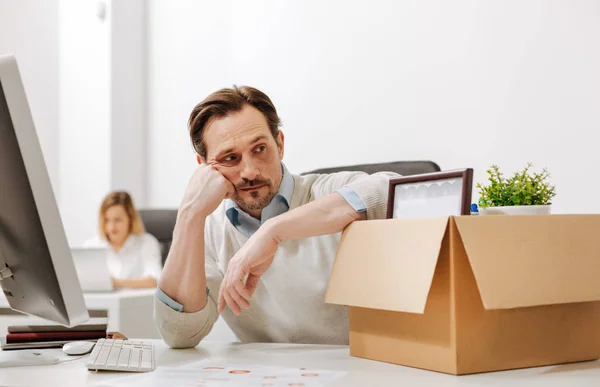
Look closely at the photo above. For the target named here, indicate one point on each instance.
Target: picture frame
(445, 193)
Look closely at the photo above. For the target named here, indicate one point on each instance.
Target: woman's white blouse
(138, 257)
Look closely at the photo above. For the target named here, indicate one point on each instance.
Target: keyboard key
(113, 357)
(95, 353)
(103, 356)
(134, 358)
(124, 357)
(147, 357)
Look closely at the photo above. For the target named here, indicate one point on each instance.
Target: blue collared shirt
(248, 225)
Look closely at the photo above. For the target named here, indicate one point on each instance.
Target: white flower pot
(516, 210)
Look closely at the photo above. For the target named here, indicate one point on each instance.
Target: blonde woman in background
(134, 259)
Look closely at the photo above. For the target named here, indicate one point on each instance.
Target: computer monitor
(36, 266)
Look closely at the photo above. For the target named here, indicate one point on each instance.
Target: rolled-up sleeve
(179, 329)
(352, 198)
(362, 191)
(373, 192)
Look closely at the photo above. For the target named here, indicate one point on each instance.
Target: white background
(463, 83)
(29, 30)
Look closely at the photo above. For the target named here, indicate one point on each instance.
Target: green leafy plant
(524, 188)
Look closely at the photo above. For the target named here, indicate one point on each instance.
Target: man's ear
(198, 159)
(280, 143)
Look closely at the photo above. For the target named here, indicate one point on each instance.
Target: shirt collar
(284, 194)
(286, 189)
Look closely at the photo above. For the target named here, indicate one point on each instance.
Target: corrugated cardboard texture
(418, 340)
(531, 260)
(489, 340)
(386, 264)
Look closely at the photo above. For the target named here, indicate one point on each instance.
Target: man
(252, 241)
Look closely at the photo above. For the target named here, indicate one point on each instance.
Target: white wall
(102, 108)
(463, 83)
(29, 30)
(84, 116)
(128, 97)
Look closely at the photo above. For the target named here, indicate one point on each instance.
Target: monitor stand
(20, 357)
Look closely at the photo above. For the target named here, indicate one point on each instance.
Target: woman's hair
(122, 198)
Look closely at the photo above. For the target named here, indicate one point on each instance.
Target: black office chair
(404, 168)
(160, 223)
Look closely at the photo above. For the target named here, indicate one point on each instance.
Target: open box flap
(386, 264)
(529, 260)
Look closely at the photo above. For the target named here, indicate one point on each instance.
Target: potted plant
(523, 193)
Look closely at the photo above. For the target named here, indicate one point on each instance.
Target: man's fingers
(237, 297)
(238, 282)
(239, 287)
(230, 190)
(228, 184)
(231, 304)
(221, 303)
(251, 284)
(236, 287)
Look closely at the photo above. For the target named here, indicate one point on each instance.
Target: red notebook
(53, 336)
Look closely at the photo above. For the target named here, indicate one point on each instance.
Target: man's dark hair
(227, 101)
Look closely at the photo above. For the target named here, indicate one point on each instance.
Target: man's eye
(261, 148)
(230, 158)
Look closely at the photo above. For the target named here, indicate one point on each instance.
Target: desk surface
(360, 372)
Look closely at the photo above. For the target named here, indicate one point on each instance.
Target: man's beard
(258, 202)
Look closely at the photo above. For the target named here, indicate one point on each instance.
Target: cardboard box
(471, 294)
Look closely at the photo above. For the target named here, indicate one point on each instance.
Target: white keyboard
(121, 355)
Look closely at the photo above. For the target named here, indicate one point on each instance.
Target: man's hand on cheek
(206, 190)
(244, 271)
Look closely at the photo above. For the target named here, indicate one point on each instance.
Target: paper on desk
(208, 374)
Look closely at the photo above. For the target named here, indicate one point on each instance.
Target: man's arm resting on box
(326, 215)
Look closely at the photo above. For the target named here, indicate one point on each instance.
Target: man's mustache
(252, 183)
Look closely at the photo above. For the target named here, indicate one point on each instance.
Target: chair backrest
(160, 223)
(404, 168)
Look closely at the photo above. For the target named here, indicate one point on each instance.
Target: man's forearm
(184, 276)
(326, 215)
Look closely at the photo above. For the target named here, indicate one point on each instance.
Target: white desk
(129, 311)
(360, 372)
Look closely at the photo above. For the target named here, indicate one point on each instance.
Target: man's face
(241, 147)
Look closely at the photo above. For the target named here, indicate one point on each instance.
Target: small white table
(360, 372)
(129, 311)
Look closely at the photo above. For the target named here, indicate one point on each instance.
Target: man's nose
(249, 170)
